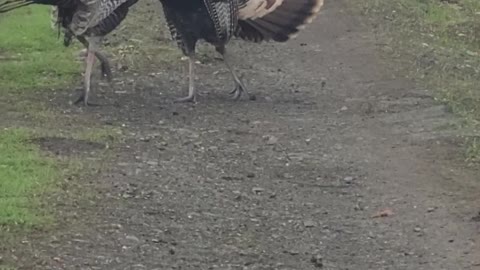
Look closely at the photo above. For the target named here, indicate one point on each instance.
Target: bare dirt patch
(66, 146)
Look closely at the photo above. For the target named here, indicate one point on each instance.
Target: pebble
(257, 190)
(132, 238)
(317, 260)
(348, 179)
(293, 252)
(309, 223)
(271, 140)
(417, 229)
(152, 163)
(358, 207)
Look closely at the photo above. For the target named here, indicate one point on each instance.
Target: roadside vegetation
(33, 61)
(24, 176)
(31, 54)
(438, 42)
(31, 58)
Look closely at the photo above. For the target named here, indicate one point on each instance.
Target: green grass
(31, 54)
(24, 176)
(7, 268)
(442, 41)
(32, 57)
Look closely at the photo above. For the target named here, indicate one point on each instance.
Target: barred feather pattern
(86, 12)
(224, 14)
(80, 17)
(112, 18)
(171, 18)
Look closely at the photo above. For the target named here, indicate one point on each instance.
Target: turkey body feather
(217, 21)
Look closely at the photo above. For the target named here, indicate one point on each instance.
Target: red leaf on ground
(383, 213)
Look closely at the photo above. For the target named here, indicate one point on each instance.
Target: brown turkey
(217, 21)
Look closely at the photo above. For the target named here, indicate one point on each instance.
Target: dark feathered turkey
(217, 21)
(88, 21)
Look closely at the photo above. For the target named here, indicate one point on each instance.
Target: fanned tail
(278, 20)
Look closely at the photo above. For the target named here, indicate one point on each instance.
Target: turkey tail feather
(278, 20)
(14, 4)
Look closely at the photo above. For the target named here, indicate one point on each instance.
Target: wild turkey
(217, 21)
(86, 20)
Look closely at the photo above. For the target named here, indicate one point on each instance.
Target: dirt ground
(289, 181)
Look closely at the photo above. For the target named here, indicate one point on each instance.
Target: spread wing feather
(278, 20)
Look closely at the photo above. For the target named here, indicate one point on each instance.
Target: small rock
(232, 178)
(250, 175)
(132, 238)
(152, 163)
(258, 190)
(317, 260)
(344, 108)
(144, 139)
(271, 140)
(476, 218)
(309, 223)
(293, 252)
(358, 207)
(417, 229)
(127, 196)
(431, 209)
(348, 179)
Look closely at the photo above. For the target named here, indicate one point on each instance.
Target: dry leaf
(383, 213)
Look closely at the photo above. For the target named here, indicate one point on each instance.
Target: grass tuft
(24, 176)
(443, 40)
(31, 54)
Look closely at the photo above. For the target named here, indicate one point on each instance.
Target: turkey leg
(191, 82)
(105, 64)
(239, 86)
(88, 75)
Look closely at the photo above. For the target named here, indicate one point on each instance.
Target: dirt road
(289, 181)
